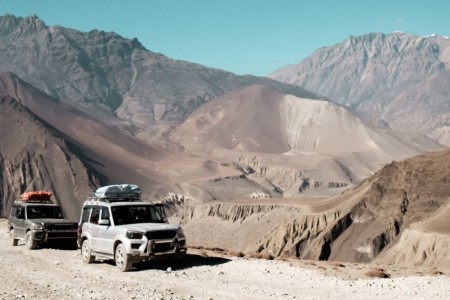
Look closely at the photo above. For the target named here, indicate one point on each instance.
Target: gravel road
(50, 273)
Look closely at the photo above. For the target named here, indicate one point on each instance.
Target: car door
(20, 225)
(92, 227)
(105, 232)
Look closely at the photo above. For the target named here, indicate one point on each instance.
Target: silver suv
(38, 222)
(128, 231)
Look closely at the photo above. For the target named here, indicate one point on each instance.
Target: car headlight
(134, 235)
(37, 226)
(180, 233)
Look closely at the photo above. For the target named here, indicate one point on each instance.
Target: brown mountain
(113, 78)
(105, 153)
(293, 144)
(398, 80)
(398, 216)
(33, 155)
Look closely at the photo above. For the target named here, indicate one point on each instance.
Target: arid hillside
(34, 155)
(292, 145)
(102, 153)
(376, 220)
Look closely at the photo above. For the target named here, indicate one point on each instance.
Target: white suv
(128, 231)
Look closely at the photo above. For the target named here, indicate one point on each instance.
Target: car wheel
(123, 262)
(12, 238)
(29, 242)
(86, 255)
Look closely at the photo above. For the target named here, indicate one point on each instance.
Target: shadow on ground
(192, 260)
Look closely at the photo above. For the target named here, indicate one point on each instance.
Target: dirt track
(59, 274)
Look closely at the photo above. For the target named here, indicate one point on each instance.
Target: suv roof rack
(42, 201)
(114, 199)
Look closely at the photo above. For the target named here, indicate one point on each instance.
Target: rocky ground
(52, 273)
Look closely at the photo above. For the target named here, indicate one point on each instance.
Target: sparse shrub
(235, 253)
(260, 256)
(267, 256)
(196, 247)
(436, 272)
(217, 249)
(337, 264)
(377, 273)
(214, 249)
(283, 258)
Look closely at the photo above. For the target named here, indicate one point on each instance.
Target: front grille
(161, 235)
(62, 234)
(163, 247)
(61, 227)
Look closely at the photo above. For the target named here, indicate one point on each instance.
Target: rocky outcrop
(276, 230)
(426, 242)
(12, 27)
(419, 248)
(378, 220)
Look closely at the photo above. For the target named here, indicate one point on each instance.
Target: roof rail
(114, 199)
(42, 201)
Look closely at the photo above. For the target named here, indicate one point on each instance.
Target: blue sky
(242, 36)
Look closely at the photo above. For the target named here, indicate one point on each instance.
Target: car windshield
(44, 212)
(136, 214)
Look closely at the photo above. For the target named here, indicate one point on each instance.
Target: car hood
(52, 221)
(143, 227)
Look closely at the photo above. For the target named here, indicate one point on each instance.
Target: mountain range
(122, 113)
(113, 78)
(397, 80)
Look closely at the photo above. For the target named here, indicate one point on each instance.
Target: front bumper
(47, 236)
(159, 249)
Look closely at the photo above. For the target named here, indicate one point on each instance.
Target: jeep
(128, 231)
(38, 222)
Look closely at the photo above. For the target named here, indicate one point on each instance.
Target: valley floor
(59, 274)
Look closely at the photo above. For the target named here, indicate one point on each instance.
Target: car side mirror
(103, 222)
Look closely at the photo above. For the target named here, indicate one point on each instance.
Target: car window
(85, 214)
(13, 211)
(20, 212)
(95, 215)
(136, 214)
(44, 212)
(104, 213)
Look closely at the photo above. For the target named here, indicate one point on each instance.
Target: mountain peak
(12, 26)
(396, 78)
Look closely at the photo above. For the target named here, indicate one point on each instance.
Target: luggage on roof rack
(118, 192)
(111, 199)
(36, 195)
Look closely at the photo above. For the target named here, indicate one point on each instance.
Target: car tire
(86, 254)
(12, 238)
(29, 242)
(121, 258)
